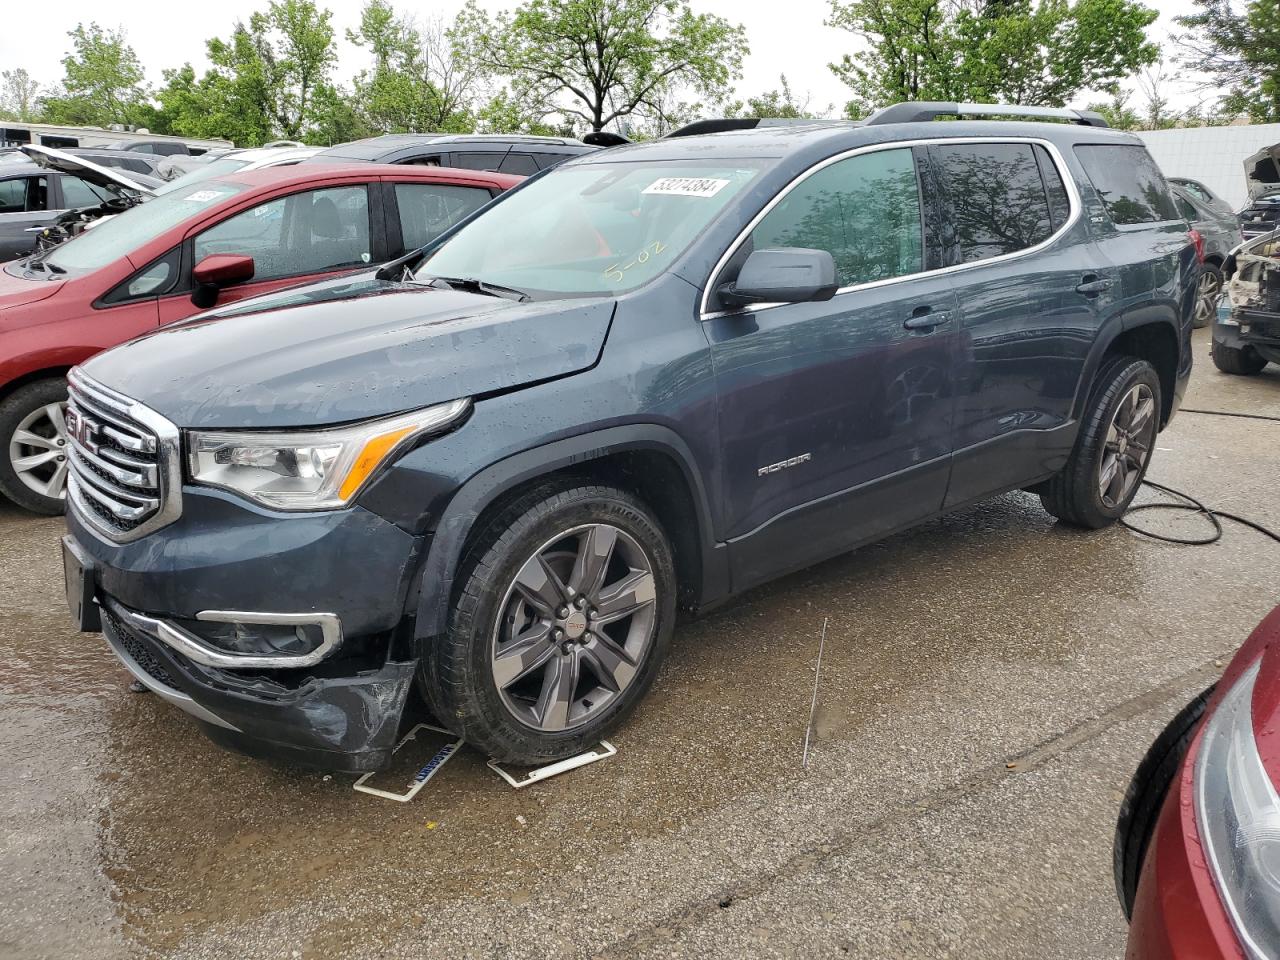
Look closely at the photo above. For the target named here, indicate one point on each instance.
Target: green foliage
(1239, 51)
(19, 96)
(103, 82)
(269, 80)
(1040, 52)
(599, 61)
(776, 103)
(417, 83)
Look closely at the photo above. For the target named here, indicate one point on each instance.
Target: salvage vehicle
(43, 200)
(220, 240)
(1196, 843)
(199, 168)
(506, 153)
(1262, 174)
(1248, 337)
(647, 379)
(1206, 196)
(1219, 234)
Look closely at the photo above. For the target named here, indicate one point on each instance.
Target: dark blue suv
(642, 382)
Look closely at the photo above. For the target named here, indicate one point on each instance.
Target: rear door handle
(926, 318)
(1092, 285)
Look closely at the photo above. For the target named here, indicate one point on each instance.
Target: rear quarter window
(1130, 184)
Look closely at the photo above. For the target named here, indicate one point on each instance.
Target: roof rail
(924, 110)
(721, 124)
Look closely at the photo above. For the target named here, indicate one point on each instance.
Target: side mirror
(788, 275)
(216, 271)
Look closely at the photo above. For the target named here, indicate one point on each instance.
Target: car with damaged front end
(645, 380)
(1247, 337)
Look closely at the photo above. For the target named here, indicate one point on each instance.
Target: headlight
(1238, 813)
(309, 470)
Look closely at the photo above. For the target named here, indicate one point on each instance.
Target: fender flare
(1102, 343)
(445, 550)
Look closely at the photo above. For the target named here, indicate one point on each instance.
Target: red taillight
(1199, 244)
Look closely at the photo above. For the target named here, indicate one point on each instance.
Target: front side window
(429, 209)
(996, 199)
(1130, 184)
(592, 229)
(864, 210)
(476, 161)
(311, 232)
(520, 164)
(80, 193)
(13, 195)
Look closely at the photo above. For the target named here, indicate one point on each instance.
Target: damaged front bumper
(321, 679)
(1254, 292)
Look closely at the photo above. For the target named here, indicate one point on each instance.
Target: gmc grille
(124, 479)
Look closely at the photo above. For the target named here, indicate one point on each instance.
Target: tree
(102, 82)
(269, 80)
(599, 61)
(776, 103)
(418, 81)
(19, 95)
(1035, 52)
(1238, 51)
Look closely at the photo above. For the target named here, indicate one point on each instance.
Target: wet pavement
(989, 682)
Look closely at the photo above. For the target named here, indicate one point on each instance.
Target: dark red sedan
(1197, 851)
(215, 241)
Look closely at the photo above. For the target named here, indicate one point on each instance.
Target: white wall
(1213, 155)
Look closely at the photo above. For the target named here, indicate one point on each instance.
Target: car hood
(1262, 172)
(83, 168)
(17, 291)
(350, 349)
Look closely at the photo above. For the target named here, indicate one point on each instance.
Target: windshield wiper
(482, 286)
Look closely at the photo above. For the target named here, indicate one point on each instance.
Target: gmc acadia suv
(647, 379)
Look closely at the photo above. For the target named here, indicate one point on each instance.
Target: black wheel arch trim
(1107, 336)
(440, 564)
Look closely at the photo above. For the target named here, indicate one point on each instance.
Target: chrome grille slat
(125, 478)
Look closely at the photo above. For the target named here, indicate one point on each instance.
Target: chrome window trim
(168, 461)
(1059, 162)
(194, 648)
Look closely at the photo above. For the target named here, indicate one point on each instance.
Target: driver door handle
(926, 318)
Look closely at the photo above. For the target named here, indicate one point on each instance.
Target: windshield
(591, 229)
(208, 171)
(112, 239)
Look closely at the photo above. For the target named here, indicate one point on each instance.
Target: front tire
(564, 612)
(33, 440)
(1238, 361)
(1113, 449)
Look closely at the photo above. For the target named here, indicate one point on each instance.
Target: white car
(188, 170)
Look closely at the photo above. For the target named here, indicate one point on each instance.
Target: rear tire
(1241, 362)
(1106, 466)
(539, 660)
(1207, 296)
(33, 464)
(1145, 797)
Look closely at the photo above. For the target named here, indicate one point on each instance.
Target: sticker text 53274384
(686, 186)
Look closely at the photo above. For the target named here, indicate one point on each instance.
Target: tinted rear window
(996, 198)
(1131, 185)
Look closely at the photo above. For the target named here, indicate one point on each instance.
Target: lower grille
(123, 634)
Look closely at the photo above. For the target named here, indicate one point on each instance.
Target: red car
(215, 241)
(1197, 852)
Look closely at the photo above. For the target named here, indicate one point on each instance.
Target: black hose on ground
(1186, 502)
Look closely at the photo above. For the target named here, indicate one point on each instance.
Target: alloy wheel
(37, 450)
(574, 627)
(1207, 297)
(1128, 445)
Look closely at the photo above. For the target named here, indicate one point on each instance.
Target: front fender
(457, 519)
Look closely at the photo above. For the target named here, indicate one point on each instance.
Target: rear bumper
(1177, 914)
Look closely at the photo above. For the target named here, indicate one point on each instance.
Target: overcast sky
(785, 37)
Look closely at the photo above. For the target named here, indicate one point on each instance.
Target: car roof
(835, 136)
(374, 147)
(302, 174)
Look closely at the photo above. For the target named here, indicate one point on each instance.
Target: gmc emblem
(82, 430)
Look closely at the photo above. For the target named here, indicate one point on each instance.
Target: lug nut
(557, 634)
(562, 612)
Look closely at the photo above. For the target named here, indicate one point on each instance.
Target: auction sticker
(686, 186)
